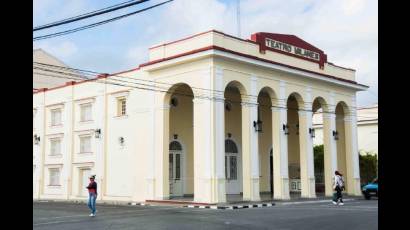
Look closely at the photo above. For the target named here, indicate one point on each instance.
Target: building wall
(137, 169)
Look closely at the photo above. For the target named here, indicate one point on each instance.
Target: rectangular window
(232, 165)
(171, 166)
(86, 112)
(85, 144)
(54, 176)
(177, 166)
(55, 117)
(122, 106)
(55, 146)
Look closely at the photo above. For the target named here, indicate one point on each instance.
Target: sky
(346, 30)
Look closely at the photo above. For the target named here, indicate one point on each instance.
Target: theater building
(207, 117)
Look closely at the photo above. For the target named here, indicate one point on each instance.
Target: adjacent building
(49, 72)
(367, 129)
(207, 117)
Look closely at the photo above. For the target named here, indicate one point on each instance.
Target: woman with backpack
(338, 187)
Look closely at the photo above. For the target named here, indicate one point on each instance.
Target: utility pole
(238, 17)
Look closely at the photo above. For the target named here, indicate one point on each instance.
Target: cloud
(346, 30)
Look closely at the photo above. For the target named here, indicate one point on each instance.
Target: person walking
(338, 186)
(92, 194)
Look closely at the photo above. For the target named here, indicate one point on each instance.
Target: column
(352, 154)
(218, 128)
(280, 149)
(306, 153)
(100, 116)
(330, 153)
(250, 156)
(161, 148)
(151, 158)
(40, 130)
(67, 151)
(202, 150)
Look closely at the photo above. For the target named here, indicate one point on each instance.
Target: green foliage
(368, 167)
(318, 153)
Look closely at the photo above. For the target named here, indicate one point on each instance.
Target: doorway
(175, 169)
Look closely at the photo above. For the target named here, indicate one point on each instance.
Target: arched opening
(293, 102)
(233, 132)
(265, 97)
(319, 107)
(341, 110)
(181, 146)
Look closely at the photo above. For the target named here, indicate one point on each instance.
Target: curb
(310, 202)
(230, 207)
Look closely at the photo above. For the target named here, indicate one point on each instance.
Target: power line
(97, 23)
(90, 14)
(96, 74)
(156, 88)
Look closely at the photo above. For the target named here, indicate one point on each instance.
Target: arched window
(230, 146)
(175, 145)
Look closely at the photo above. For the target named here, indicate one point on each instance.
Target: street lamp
(312, 132)
(258, 125)
(121, 140)
(335, 135)
(285, 129)
(97, 133)
(36, 139)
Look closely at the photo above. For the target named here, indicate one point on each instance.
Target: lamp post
(312, 132)
(285, 128)
(335, 135)
(36, 139)
(257, 125)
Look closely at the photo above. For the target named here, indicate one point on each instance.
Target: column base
(150, 191)
(311, 189)
(255, 194)
(211, 191)
(281, 189)
(357, 189)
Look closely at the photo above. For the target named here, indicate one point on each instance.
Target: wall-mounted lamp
(312, 132)
(36, 139)
(258, 125)
(97, 133)
(285, 129)
(229, 135)
(121, 140)
(335, 135)
(175, 136)
(297, 129)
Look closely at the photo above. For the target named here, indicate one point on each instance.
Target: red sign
(289, 45)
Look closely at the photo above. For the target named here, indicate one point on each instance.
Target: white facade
(122, 132)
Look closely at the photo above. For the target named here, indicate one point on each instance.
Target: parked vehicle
(371, 189)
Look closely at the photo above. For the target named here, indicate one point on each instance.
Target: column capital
(329, 115)
(164, 107)
(218, 99)
(250, 101)
(277, 109)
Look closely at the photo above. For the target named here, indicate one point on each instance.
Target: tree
(318, 154)
(368, 167)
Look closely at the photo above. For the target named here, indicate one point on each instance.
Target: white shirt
(338, 181)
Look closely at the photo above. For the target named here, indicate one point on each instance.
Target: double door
(175, 173)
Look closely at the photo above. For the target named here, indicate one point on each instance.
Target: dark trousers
(338, 194)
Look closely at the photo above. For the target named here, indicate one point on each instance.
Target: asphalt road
(357, 214)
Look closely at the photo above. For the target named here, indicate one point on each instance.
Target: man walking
(92, 194)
